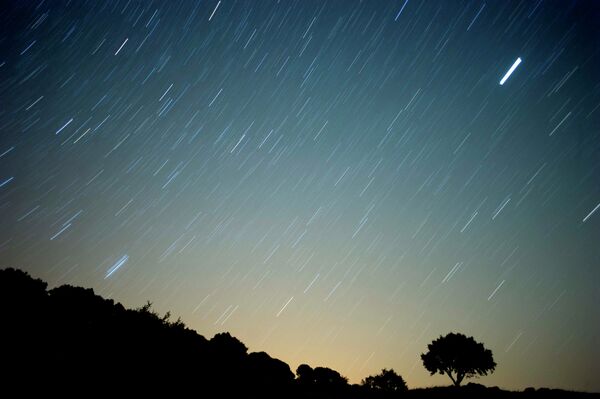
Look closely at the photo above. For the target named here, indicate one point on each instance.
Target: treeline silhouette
(70, 341)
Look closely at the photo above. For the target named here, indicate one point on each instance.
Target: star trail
(333, 182)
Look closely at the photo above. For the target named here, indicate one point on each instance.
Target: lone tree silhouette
(458, 356)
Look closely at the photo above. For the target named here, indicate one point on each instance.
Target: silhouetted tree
(228, 347)
(459, 357)
(321, 382)
(305, 375)
(387, 382)
(264, 373)
(326, 377)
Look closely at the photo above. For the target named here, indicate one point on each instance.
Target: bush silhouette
(459, 357)
(386, 382)
(305, 374)
(228, 347)
(264, 374)
(321, 381)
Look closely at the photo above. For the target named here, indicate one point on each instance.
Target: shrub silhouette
(327, 377)
(321, 382)
(229, 348)
(459, 357)
(264, 374)
(305, 374)
(386, 382)
(320, 376)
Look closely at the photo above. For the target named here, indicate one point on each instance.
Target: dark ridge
(72, 342)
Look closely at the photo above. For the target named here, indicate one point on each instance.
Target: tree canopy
(459, 357)
(387, 381)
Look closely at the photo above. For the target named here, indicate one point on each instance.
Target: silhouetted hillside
(69, 340)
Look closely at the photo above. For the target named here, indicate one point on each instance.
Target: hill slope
(69, 340)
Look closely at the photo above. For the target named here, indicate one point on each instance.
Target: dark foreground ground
(70, 342)
(479, 391)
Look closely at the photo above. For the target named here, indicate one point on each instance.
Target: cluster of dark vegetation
(70, 341)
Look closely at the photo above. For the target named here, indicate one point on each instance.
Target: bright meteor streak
(116, 266)
(510, 71)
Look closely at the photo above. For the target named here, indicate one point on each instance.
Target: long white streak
(474, 19)
(213, 100)
(360, 226)
(383, 326)
(561, 122)
(306, 262)
(451, 272)
(342, 176)
(73, 217)
(7, 151)
(238, 143)
(318, 134)
(271, 254)
(165, 93)
(468, 223)
(64, 126)
(35, 102)
(496, 290)
(311, 283)
(514, 341)
(116, 266)
(367, 186)
(121, 46)
(80, 137)
(591, 213)
(500, 208)
(401, 9)
(123, 208)
(427, 278)
(298, 239)
(534, 175)
(224, 313)
(200, 304)
(5, 182)
(60, 232)
(265, 139)
(28, 47)
(100, 45)
(510, 71)
(332, 291)
(284, 306)
(28, 213)
(229, 315)
(261, 280)
(215, 10)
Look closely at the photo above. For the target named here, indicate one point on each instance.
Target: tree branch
(450, 375)
(459, 378)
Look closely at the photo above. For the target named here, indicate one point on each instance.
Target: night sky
(334, 182)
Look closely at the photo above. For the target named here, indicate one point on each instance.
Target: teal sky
(336, 183)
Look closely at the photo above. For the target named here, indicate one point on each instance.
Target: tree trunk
(459, 378)
(452, 378)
